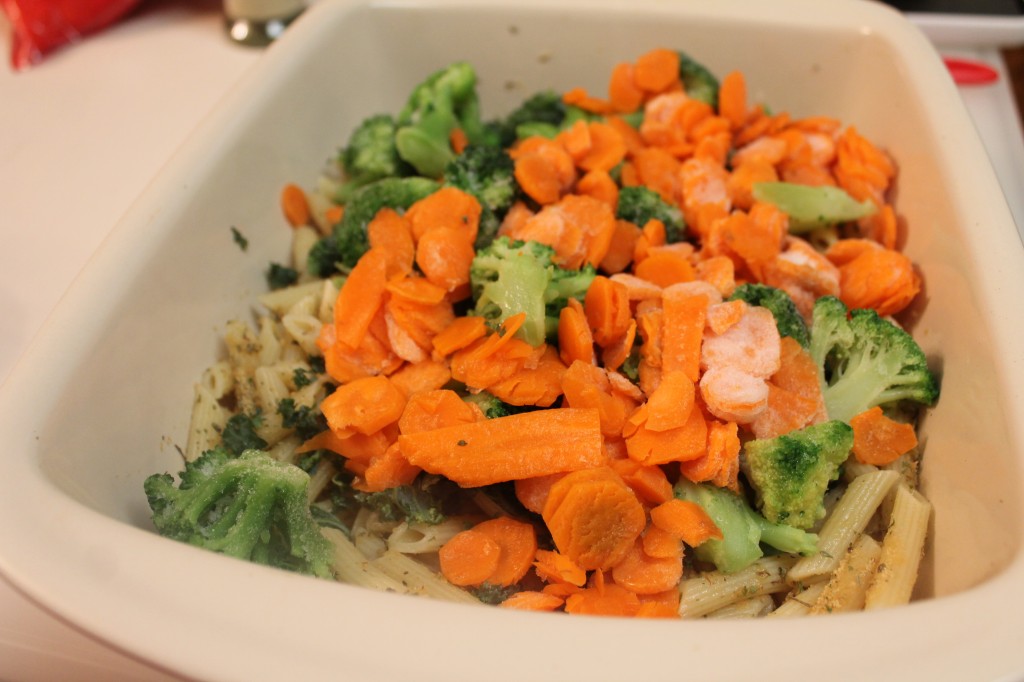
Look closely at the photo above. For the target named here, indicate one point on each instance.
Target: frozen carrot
(517, 541)
(576, 140)
(620, 248)
(661, 544)
(594, 518)
(387, 470)
(462, 332)
(509, 448)
(686, 520)
(469, 558)
(723, 449)
(614, 355)
(871, 276)
(294, 205)
(752, 344)
(435, 409)
(533, 492)
(669, 406)
(607, 310)
(649, 482)
(643, 574)
(448, 207)
(612, 600)
(585, 385)
(599, 185)
(543, 169)
(665, 267)
(538, 382)
(607, 149)
(530, 600)
(364, 406)
(679, 444)
(445, 255)
(880, 440)
(579, 97)
(785, 411)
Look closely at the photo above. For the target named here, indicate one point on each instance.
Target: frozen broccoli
(421, 501)
(743, 529)
(543, 111)
(250, 507)
(812, 207)
(510, 277)
(341, 250)
(488, 174)
(790, 473)
(698, 82)
(783, 309)
(491, 406)
(865, 360)
(370, 155)
(446, 100)
(639, 204)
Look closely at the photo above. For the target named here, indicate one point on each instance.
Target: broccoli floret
(341, 250)
(866, 361)
(510, 277)
(812, 207)
(250, 507)
(488, 173)
(790, 473)
(544, 110)
(446, 100)
(698, 81)
(639, 204)
(783, 309)
(743, 529)
(422, 501)
(370, 155)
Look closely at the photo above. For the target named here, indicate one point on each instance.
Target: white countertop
(82, 134)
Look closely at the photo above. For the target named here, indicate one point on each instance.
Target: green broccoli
(783, 309)
(487, 173)
(812, 207)
(250, 507)
(239, 433)
(743, 529)
(639, 204)
(341, 250)
(698, 82)
(444, 101)
(866, 361)
(790, 473)
(370, 155)
(422, 501)
(543, 111)
(510, 277)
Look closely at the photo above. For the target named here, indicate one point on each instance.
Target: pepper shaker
(259, 22)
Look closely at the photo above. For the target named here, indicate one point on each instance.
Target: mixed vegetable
(587, 351)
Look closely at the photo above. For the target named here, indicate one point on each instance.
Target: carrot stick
(469, 558)
(518, 544)
(879, 440)
(509, 448)
(294, 205)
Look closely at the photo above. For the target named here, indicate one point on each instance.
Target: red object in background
(970, 72)
(41, 26)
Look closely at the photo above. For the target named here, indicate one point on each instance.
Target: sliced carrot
(448, 207)
(538, 382)
(624, 94)
(732, 98)
(586, 386)
(445, 255)
(294, 205)
(669, 406)
(599, 185)
(786, 411)
(530, 600)
(360, 298)
(388, 470)
(612, 600)
(621, 247)
(543, 169)
(554, 567)
(879, 440)
(334, 214)
(661, 544)
(458, 140)
(392, 234)
(657, 70)
(576, 140)
(649, 482)
(684, 318)
(732, 394)
(462, 332)
(876, 277)
(469, 558)
(364, 406)
(509, 448)
(679, 444)
(686, 520)
(435, 409)
(665, 268)
(606, 306)
(643, 574)
(575, 340)
(533, 492)
(420, 377)
(517, 541)
(579, 97)
(594, 518)
(724, 315)
(607, 148)
(723, 450)
(615, 354)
